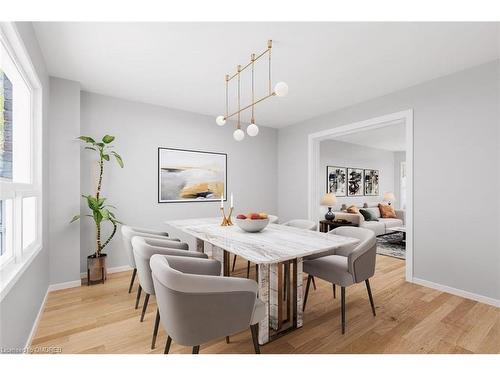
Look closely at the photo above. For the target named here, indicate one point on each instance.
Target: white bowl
(252, 225)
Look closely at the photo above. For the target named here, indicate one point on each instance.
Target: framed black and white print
(354, 182)
(371, 182)
(336, 180)
(191, 176)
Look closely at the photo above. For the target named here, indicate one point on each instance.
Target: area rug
(391, 245)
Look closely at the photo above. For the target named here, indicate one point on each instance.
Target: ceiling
(390, 138)
(326, 65)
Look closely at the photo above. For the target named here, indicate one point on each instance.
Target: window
(20, 166)
(5, 126)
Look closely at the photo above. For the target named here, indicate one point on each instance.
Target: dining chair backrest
(196, 304)
(129, 232)
(144, 248)
(361, 258)
(301, 223)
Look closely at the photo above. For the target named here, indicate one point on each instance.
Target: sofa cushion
(391, 223)
(353, 209)
(387, 211)
(376, 226)
(374, 211)
(368, 215)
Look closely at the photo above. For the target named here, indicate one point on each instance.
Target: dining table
(278, 252)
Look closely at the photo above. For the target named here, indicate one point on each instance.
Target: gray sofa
(380, 227)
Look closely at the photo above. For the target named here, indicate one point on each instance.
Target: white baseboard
(35, 323)
(458, 292)
(111, 270)
(66, 285)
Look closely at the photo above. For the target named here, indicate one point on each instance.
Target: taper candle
(222, 201)
(232, 205)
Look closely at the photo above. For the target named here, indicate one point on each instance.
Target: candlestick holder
(226, 221)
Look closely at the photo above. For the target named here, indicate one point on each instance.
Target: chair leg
(234, 263)
(139, 290)
(334, 291)
(342, 297)
(367, 282)
(256, 273)
(255, 337)
(167, 345)
(309, 278)
(155, 329)
(248, 269)
(227, 340)
(144, 307)
(314, 283)
(134, 272)
(196, 349)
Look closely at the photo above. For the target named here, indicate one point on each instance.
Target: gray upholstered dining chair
(197, 305)
(301, 223)
(127, 233)
(273, 219)
(144, 249)
(347, 266)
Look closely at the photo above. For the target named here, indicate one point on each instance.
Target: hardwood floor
(410, 319)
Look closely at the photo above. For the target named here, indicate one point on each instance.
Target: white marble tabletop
(276, 243)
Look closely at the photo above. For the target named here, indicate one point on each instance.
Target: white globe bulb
(252, 130)
(239, 135)
(220, 120)
(281, 89)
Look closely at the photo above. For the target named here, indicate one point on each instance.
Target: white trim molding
(396, 118)
(458, 292)
(66, 285)
(111, 270)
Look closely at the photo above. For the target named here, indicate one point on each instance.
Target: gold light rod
(269, 46)
(250, 105)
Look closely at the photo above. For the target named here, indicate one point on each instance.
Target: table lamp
(389, 198)
(329, 200)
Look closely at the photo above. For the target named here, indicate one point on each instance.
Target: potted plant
(100, 212)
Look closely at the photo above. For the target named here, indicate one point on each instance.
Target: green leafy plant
(100, 211)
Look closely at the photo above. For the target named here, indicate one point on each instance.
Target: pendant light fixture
(280, 90)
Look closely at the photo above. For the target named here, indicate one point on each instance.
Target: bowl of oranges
(252, 222)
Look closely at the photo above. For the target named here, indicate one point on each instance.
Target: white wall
(456, 139)
(343, 154)
(19, 308)
(64, 180)
(140, 129)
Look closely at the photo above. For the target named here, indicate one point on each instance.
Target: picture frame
(336, 180)
(355, 182)
(191, 175)
(371, 182)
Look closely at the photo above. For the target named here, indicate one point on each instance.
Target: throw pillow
(353, 209)
(368, 215)
(386, 211)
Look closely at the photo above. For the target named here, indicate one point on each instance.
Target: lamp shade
(328, 200)
(389, 197)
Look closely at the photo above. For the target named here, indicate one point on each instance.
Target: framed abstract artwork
(354, 182)
(191, 176)
(371, 182)
(336, 180)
